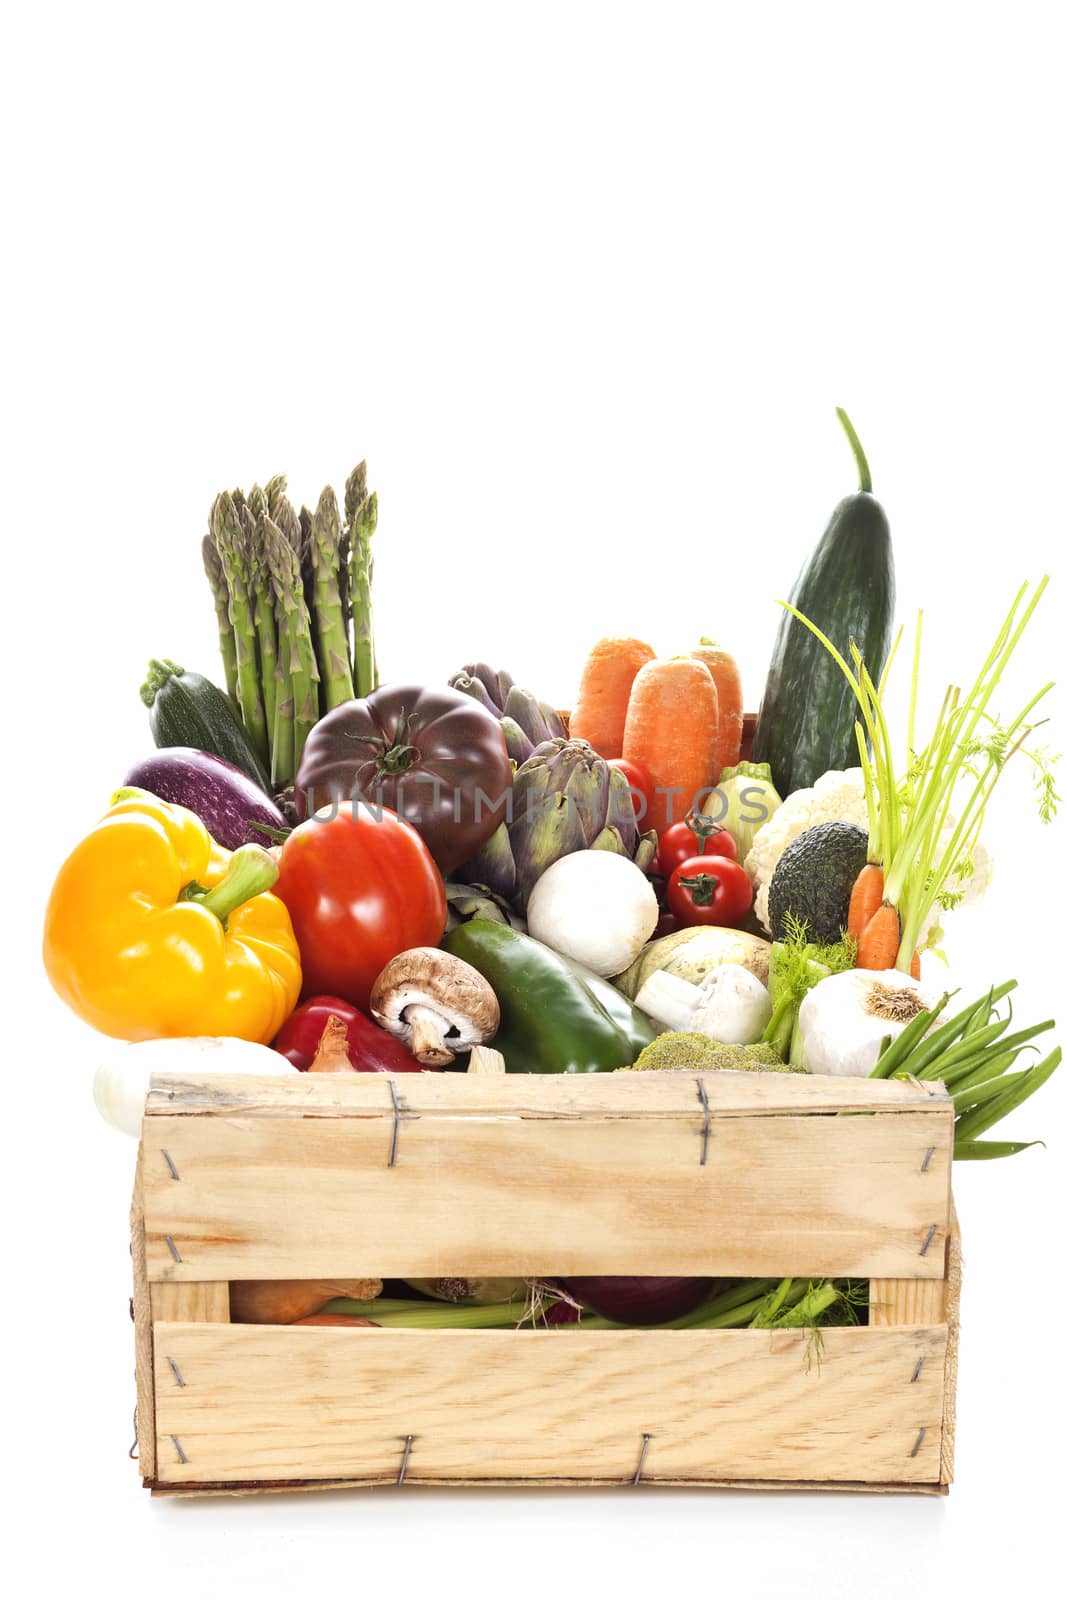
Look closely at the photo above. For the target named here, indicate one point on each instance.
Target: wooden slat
(953, 1287)
(281, 1403)
(505, 1196)
(190, 1302)
(198, 1490)
(142, 1332)
(557, 1097)
(899, 1302)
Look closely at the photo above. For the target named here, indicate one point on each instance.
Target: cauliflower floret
(839, 797)
(835, 797)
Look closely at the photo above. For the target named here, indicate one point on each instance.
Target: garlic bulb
(843, 1020)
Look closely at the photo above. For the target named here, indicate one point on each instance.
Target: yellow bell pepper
(153, 931)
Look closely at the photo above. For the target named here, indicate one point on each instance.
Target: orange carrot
(723, 669)
(671, 728)
(879, 942)
(599, 713)
(865, 899)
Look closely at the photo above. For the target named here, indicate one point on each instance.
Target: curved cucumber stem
(857, 450)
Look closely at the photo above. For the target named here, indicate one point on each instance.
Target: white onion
(121, 1082)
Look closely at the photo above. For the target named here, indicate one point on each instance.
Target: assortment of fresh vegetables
(458, 876)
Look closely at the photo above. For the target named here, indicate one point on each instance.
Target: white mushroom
(437, 1004)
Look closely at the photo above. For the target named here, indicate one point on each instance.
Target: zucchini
(806, 723)
(186, 709)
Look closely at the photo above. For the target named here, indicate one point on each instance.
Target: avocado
(814, 877)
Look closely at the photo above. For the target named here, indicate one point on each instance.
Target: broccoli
(695, 1052)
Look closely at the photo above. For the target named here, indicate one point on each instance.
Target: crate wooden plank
(141, 1308)
(503, 1195)
(305, 1403)
(553, 1096)
(896, 1302)
(190, 1302)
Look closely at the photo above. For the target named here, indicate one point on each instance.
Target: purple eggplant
(227, 802)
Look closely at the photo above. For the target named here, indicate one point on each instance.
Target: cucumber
(806, 723)
(188, 710)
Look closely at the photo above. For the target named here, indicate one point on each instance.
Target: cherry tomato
(709, 890)
(695, 836)
(642, 786)
(668, 923)
(360, 886)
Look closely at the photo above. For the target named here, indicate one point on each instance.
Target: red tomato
(642, 786)
(696, 836)
(360, 886)
(709, 889)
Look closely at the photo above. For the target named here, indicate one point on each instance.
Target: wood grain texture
(142, 1333)
(953, 1288)
(326, 1403)
(900, 1302)
(233, 1491)
(190, 1302)
(553, 1096)
(501, 1196)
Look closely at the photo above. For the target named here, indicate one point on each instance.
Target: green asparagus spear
(295, 629)
(265, 625)
(231, 543)
(221, 595)
(334, 669)
(361, 514)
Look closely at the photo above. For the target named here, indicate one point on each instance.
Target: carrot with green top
(599, 713)
(865, 899)
(672, 728)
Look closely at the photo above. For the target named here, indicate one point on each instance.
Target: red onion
(641, 1301)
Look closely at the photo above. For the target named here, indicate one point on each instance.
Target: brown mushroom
(437, 1004)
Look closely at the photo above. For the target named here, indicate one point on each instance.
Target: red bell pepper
(370, 1048)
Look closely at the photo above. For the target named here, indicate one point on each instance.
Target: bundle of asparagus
(292, 598)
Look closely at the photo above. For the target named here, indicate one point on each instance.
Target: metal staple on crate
(176, 1442)
(133, 1448)
(396, 1123)
(918, 1443)
(172, 1247)
(706, 1130)
(408, 1441)
(928, 1241)
(177, 1375)
(170, 1164)
(918, 1368)
(645, 1437)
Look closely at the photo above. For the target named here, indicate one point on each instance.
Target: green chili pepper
(554, 1015)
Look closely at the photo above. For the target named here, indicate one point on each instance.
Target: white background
(584, 283)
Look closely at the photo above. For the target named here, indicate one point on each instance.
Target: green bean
(980, 1093)
(970, 1126)
(905, 1041)
(961, 1069)
(992, 1149)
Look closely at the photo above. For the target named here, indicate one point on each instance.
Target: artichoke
(565, 798)
(526, 721)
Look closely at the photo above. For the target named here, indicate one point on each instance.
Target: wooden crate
(324, 1176)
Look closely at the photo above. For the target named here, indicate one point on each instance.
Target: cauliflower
(839, 797)
(835, 797)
